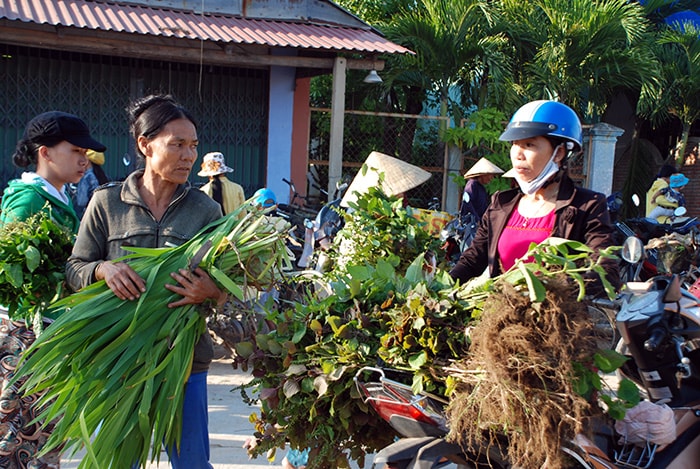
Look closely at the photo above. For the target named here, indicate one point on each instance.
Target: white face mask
(547, 172)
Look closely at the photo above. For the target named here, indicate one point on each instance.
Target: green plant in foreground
(33, 255)
(304, 369)
(380, 313)
(380, 227)
(113, 371)
(588, 381)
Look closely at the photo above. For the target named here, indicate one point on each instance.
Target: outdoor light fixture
(373, 77)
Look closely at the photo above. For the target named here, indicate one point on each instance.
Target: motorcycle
(298, 210)
(458, 234)
(659, 323)
(320, 231)
(670, 248)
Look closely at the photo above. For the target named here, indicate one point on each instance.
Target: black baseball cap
(58, 126)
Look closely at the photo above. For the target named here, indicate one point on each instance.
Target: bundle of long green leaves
(114, 371)
(33, 255)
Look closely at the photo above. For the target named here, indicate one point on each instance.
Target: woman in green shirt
(54, 144)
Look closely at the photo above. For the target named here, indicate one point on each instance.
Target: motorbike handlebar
(658, 334)
(604, 303)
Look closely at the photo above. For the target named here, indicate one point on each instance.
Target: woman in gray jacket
(155, 207)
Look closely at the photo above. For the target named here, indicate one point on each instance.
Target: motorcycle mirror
(635, 200)
(465, 197)
(680, 211)
(632, 250)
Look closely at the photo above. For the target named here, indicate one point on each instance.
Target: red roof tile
(138, 19)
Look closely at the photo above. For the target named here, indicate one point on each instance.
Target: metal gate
(412, 138)
(230, 104)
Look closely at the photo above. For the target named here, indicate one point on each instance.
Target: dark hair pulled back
(27, 150)
(148, 116)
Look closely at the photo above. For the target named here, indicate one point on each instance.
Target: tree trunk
(414, 105)
(682, 144)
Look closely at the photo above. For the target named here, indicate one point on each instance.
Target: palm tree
(453, 49)
(679, 93)
(578, 51)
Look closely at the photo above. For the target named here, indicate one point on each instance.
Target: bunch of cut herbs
(114, 371)
(33, 255)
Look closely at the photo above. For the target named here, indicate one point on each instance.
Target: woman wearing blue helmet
(547, 203)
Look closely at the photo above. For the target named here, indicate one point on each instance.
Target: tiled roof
(139, 19)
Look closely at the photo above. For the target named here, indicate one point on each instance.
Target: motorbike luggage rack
(634, 456)
(424, 406)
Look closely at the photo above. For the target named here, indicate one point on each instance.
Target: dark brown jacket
(581, 215)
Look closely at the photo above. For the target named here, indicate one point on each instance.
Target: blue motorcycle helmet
(264, 198)
(546, 119)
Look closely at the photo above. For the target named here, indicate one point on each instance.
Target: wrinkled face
(530, 155)
(61, 164)
(171, 154)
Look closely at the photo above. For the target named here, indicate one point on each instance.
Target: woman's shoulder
(201, 199)
(506, 196)
(20, 195)
(112, 188)
(590, 194)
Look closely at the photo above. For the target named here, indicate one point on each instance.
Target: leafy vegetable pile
(379, 227)
(305, 367)
(384, 311)
(114, 371)
(33, 256)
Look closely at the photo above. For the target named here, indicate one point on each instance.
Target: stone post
(600, 157)
(335, 155)
(452, 193)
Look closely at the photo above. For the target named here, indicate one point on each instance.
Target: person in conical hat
(399, 177)
(476, 198)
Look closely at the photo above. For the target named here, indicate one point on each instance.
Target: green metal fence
(230, 104)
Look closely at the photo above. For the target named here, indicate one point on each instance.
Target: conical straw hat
(481, 167)
(510, 173)
(399, 177)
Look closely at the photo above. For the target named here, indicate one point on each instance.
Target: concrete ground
(228, 424)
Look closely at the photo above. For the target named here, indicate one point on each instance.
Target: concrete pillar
(600, 157)
(335, 154)
(452, 193)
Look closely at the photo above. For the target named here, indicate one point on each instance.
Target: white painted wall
(279, 135)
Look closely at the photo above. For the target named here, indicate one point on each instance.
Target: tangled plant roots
(516, 384)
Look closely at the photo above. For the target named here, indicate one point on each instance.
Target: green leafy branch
(33, 253)
(588, 381)
(551, 258)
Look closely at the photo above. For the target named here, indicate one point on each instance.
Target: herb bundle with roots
(516, 389)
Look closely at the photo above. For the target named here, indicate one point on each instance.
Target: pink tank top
(519, 233)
